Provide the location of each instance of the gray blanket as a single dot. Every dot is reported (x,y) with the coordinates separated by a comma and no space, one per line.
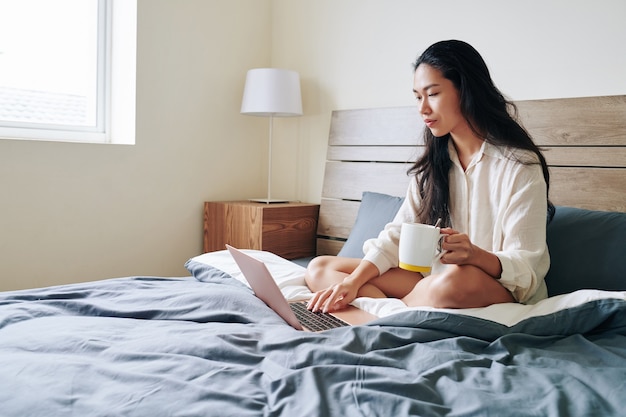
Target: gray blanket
(147,346)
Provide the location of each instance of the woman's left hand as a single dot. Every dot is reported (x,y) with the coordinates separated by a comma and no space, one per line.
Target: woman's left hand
(460,249)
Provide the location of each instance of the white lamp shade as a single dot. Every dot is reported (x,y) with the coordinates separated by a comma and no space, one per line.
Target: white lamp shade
(272,92)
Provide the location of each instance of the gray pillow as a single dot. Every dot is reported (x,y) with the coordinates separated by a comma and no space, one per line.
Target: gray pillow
(375,211)
(587,251)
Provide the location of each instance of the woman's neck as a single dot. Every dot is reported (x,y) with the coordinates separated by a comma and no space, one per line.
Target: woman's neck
(467,145)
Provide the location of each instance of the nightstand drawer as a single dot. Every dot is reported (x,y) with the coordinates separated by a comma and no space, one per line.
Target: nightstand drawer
(286,229)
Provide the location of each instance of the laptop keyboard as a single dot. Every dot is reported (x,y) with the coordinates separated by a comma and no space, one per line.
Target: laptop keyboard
(315,321)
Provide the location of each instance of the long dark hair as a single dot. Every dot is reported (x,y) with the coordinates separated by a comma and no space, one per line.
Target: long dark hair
(489,114)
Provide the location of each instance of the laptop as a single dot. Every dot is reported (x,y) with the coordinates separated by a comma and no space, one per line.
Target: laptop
(294,313)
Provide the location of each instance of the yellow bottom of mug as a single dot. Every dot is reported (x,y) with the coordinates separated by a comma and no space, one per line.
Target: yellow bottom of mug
(415,268)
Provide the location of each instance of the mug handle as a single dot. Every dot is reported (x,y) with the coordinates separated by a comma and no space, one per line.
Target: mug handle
(440,251)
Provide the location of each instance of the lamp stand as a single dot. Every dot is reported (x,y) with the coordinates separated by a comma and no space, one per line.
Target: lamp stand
(269,199)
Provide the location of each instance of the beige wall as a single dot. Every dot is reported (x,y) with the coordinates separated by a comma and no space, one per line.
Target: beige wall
(74,212)
(358,53)
(77,212)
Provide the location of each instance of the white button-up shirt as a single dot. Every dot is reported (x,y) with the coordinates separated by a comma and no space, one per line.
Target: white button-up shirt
(500,203)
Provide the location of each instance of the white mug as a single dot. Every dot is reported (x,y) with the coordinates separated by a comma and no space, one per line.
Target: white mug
(420,246)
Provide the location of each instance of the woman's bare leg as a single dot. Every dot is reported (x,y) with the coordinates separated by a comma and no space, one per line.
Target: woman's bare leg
(458,287)
(326,271)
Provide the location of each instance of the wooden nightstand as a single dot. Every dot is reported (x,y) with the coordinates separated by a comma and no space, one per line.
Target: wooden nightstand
(286,229)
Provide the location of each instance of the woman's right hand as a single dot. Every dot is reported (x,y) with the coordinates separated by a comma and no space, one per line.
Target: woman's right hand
(336,297)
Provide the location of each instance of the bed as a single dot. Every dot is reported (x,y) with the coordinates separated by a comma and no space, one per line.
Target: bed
(205,345)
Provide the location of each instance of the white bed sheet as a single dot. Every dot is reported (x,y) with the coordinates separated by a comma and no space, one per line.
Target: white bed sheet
(290,278)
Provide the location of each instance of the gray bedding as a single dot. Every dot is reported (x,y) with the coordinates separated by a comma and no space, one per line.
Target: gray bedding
(147,346)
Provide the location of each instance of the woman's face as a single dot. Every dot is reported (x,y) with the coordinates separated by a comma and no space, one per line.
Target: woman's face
(438,102)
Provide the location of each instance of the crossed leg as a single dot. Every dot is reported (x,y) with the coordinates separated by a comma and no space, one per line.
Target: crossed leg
(459,286)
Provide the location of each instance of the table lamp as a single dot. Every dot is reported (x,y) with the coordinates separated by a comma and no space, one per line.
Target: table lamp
(271,92)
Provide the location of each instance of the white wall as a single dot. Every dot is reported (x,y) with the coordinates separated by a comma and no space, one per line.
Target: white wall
(76,212)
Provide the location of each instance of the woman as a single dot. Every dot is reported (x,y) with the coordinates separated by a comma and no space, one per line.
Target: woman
(483,176)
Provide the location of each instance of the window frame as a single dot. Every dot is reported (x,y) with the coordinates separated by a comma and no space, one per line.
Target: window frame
(115,86)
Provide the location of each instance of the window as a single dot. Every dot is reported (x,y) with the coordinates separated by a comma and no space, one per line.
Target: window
(67,70)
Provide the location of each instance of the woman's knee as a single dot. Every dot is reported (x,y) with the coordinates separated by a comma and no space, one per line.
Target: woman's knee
(327,270)
(443,293)
(319,265)
(460,287)
(315,269)
(466,287)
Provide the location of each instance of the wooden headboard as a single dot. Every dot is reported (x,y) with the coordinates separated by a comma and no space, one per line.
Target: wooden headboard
(583,139)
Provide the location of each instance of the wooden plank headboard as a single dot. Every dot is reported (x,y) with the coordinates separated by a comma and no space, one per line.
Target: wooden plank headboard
(583,139)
